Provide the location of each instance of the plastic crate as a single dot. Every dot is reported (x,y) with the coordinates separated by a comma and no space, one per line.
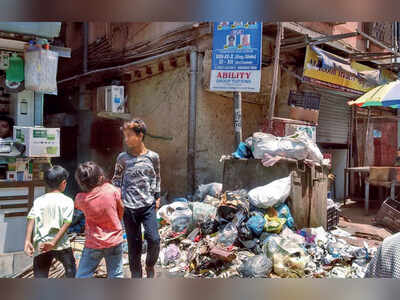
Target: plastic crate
(389,214)
(332,218)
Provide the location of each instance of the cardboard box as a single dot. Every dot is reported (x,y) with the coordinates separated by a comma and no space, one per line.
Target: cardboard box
(299,113)
(39,141)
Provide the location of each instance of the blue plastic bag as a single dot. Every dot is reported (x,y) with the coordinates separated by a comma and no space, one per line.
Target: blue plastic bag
(256,224)
(284,212)
(242,151)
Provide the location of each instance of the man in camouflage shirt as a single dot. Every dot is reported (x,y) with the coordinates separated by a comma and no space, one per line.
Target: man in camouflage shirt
(386,263)
(137,173)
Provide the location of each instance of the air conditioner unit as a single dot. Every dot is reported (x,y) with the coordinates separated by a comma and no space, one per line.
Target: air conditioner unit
(111,99)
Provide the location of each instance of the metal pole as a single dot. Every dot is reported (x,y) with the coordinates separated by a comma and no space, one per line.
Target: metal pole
(276,70)
(366,138)
(237,117)
(192,123)
(85,46)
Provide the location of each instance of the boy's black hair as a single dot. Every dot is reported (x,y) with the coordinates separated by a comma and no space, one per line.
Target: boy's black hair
(89,175)
(9,120)
(136,125)
(55,176)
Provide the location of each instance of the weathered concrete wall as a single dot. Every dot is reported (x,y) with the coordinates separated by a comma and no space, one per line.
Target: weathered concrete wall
(125,35)
(287,83)
(215,133)
(162,102)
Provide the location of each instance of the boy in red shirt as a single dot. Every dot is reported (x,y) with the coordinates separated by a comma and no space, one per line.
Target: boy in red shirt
(102,205)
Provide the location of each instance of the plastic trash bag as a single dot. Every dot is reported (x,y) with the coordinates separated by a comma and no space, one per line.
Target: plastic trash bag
(313,152)
(271,194)
(242,151)
(171,211)
(228,235)
(211,201)
(274,224)
(213,189)
(181,223)
(289,147)
(202,212)
(256,224)
(41,71)
(172,252)
(249,142)
(287,266)
(270,245)
(293,236)
(288,257)
(257,266)
(244,232)
(169,254)
(284,212)
(209,226)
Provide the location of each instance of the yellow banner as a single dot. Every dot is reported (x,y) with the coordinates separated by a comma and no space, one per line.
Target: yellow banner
(338,78)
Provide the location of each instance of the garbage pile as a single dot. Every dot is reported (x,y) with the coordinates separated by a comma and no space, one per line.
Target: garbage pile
(270,149)
(251,234)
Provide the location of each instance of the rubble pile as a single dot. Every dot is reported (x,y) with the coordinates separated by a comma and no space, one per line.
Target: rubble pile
(230,235)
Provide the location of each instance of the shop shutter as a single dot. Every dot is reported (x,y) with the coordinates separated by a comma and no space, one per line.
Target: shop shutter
(334,117)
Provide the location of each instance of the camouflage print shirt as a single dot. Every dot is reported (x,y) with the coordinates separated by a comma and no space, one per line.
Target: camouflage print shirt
(138,177)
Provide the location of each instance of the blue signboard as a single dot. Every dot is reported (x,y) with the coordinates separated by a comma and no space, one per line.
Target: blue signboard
(236,57)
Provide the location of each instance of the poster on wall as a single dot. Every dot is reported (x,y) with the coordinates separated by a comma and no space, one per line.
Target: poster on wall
(236,57)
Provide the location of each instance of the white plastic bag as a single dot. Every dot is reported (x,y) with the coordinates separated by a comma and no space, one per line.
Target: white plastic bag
(264,143)
(271,194)
(313,152)
(213,189)
(41,71)
(288,147)
(171,211)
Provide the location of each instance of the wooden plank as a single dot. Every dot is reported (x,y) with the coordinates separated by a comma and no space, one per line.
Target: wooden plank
(319,190)
(11,184)
(330,38)
(288,41)
(6,198)
(275,74)
(369,54)
(16,214)
(293,47)
(299,199)
(22,205)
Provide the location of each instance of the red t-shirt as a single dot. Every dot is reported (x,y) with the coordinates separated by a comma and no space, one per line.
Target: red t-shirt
(103,210)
